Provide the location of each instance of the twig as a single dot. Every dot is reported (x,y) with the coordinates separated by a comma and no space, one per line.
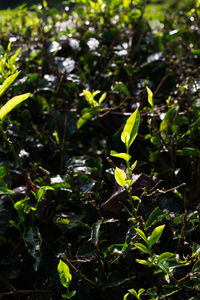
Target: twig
(82,276)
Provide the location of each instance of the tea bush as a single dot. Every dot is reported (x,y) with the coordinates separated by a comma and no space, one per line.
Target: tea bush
(78,219)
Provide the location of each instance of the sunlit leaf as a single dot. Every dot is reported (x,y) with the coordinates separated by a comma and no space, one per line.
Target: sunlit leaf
(144,262)
(102,98)
(120,177)
(131,128)
(124,156)
(141,234)
(12,103)
(8,82)
(69,295)
(41,192)
(155,236)
(134,165)
(150,96)
(142,247)
(5,191)
(64,274)
(164,256)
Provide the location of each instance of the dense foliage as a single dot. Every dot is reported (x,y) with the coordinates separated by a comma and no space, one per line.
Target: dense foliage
(100,167)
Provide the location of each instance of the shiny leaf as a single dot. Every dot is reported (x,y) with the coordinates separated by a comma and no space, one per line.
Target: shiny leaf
(12,103)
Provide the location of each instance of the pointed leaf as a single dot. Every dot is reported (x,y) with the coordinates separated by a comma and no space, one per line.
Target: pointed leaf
(41,192)
(8,82)
(5,191)
(102,98)
(156,234)
(64,274)
(142,247)
(144,262)
(124,156)
(150,96)
(33,243)
(131,128)
(134,165)
(164,256)
(133,292)
(141,234)
(120,177)
(95,232)
(12,103)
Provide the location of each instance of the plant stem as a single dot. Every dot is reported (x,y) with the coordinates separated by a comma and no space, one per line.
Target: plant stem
(10,145)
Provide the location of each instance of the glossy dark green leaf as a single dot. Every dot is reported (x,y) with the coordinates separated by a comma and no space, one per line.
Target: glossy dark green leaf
(122,88)
(96,232)
(154,216)
(195,249)
(33,241)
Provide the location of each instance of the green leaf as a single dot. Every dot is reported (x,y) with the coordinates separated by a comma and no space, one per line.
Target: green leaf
(196,51)
(5,191)
(126,296)
(33,243)
(164,256)
(150,96)
(122,88)
(41,192)
(140,292)
(69,295)
(92,112)
(22,208)
(153,216)
(130,130)
(144,262)
(156,234)
(141,234)
(12,103)
(95,232)
(64,274)
(3,171)
(120,177)
(134,165)
(133,292)
(195,249)
(102,98)
(142,247)
(124,156)
(8,82)
(196,267)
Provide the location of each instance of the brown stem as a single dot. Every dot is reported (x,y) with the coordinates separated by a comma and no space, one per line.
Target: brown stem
(82,276)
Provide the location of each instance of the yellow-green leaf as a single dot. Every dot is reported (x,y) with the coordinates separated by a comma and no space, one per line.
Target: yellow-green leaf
(102,98)
(120,177)
(8,82)
(130,130)
(150,96)
(12,103)
(124,156)
(64,274)
(156,234)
